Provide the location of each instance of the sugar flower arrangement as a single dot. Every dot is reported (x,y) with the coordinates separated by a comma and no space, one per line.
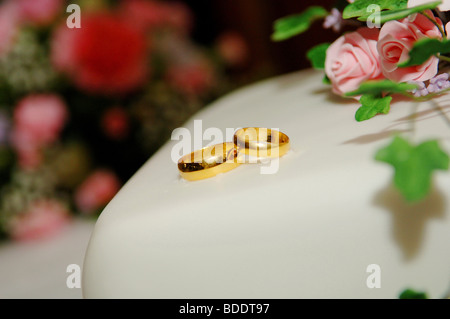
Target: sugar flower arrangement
(392,47)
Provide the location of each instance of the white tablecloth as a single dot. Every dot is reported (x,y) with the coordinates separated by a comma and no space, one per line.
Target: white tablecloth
(38,269)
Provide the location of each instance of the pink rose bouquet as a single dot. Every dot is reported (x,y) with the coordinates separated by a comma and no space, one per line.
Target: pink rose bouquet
(396,47)
(388,48)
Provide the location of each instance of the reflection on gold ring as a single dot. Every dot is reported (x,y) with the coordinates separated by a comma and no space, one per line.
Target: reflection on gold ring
(208,162)
(261,142)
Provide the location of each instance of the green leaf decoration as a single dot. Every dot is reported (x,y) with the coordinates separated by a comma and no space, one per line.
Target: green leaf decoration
(293,25)
(359,7)
(393,10)
(412,294)
(382,86)
(371,106)
(317,56)
(424,49)
(326,80)
(413,165)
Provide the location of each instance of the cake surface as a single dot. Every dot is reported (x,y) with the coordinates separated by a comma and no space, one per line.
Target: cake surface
(309,231)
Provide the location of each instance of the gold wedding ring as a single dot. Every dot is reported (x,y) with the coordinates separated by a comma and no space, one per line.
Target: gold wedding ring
(221,158)
(261,142)
(208,162)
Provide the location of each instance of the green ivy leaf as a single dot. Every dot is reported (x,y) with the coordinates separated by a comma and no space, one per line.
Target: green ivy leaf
(392,10)
(413,165)
(412,294)
(359,7)
(382,86)
(371,106)
(317,55)
(293,25)
(424,49)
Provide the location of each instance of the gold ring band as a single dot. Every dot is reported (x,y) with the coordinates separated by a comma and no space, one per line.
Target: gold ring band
(261,142)
(208,162)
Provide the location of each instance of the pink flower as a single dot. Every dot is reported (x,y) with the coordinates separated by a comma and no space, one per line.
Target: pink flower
(445,6)
(38,121)
(233,48)
(96,191)
(43,218)
(107,55)
(39,12)
(396,40)
(9,25)
(42,116)
(114,123)
(353,59)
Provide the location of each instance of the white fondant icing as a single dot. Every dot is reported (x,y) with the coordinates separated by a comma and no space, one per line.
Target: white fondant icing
(310,230)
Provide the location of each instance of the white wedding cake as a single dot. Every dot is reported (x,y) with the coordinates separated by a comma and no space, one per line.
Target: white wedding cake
(328,224)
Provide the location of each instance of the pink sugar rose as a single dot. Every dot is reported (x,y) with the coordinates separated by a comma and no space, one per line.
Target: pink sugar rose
(396,40)
(40,12)
(353,59)
(96,191)
(43,218)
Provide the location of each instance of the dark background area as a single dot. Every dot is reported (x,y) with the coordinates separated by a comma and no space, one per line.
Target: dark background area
(254,20)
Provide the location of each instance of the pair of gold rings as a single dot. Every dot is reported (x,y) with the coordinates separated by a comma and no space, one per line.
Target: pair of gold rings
(220,158)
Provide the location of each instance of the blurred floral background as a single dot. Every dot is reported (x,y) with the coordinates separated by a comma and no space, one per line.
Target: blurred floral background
(82,109)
